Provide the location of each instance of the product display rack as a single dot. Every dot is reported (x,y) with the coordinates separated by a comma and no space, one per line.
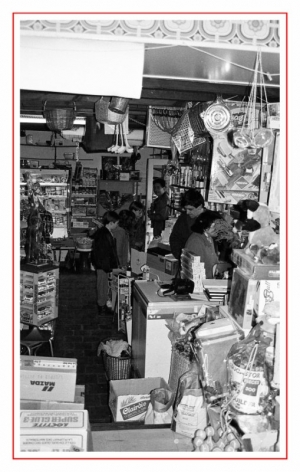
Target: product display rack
(121,288)
(55,198)
(39,288)
(84,203)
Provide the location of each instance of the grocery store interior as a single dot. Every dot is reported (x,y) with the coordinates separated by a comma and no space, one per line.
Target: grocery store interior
(149,210)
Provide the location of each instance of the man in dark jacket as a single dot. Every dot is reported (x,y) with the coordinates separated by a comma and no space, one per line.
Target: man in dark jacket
(159,210)
(193,205)
(104,256)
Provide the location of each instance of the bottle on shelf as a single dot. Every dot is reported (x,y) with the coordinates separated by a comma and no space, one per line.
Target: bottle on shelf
(122,314)
(201,184)
(198,182)
(128,270)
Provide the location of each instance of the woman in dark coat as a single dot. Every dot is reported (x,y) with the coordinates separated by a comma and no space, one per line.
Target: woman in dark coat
(201,241)
(104,256)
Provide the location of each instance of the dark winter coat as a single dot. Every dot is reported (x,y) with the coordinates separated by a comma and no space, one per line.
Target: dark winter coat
(181,233)
(104,253)
(159,213)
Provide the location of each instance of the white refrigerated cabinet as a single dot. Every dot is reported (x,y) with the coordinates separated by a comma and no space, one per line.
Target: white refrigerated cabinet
(151,347)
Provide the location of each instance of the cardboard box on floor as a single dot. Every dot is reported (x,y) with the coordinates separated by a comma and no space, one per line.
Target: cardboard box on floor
(49,405)
(129,399)
(55,431)
(48,378)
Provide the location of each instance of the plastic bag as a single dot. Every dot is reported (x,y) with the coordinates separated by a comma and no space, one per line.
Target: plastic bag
(160,409)
(189,409)
(247,377)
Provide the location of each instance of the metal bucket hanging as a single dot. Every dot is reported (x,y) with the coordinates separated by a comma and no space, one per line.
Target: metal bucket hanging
(105,115)
(59,119)
(118,105)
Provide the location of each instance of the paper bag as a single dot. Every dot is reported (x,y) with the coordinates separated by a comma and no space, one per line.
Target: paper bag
(160,410)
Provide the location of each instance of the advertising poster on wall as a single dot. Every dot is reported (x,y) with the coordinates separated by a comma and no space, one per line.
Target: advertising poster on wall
(235,172)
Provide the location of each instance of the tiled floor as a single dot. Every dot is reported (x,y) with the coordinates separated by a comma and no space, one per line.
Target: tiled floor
(79,330)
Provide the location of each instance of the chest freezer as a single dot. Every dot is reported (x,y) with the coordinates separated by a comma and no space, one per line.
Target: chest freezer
(151,347)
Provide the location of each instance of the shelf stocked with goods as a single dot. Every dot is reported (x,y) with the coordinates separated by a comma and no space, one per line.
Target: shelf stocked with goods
(84,200)
(118,184)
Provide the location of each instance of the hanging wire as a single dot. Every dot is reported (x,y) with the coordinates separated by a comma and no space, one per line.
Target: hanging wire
(232,63)
(136,121)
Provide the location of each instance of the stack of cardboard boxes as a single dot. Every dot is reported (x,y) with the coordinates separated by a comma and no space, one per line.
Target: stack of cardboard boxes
(48,384)
(193,269)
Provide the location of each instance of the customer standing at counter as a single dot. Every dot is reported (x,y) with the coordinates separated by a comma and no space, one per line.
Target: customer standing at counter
(138,231)
(193,206)
(122,234)
(104,256)
(159,210)
(201,241)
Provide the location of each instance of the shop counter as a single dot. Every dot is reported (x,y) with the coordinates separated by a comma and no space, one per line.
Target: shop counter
(133,437)
(151,347)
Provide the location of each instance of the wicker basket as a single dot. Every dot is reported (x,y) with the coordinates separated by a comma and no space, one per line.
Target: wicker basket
(116,368)
(60,119)
(104,115)
(179,365)
(85,244)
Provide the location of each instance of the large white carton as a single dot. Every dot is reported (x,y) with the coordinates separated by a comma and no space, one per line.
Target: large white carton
(129,399)
(78,403)
(48,378)
(55,431)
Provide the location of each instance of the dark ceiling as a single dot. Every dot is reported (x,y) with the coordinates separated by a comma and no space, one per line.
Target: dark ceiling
(155,92)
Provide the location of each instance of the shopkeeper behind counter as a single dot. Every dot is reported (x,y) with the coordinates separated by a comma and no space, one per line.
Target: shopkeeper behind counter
(201,241)
(138,230)
(159,210)
(193,205)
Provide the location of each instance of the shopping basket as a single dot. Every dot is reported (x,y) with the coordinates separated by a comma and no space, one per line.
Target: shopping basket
(116,368)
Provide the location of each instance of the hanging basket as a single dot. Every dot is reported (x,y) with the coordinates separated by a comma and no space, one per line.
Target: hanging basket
(60,119)
(105,115)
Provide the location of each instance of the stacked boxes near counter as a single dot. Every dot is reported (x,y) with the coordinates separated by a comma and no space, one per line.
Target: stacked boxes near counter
(55,431)
(193,269)
(38,294)
(52,417)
